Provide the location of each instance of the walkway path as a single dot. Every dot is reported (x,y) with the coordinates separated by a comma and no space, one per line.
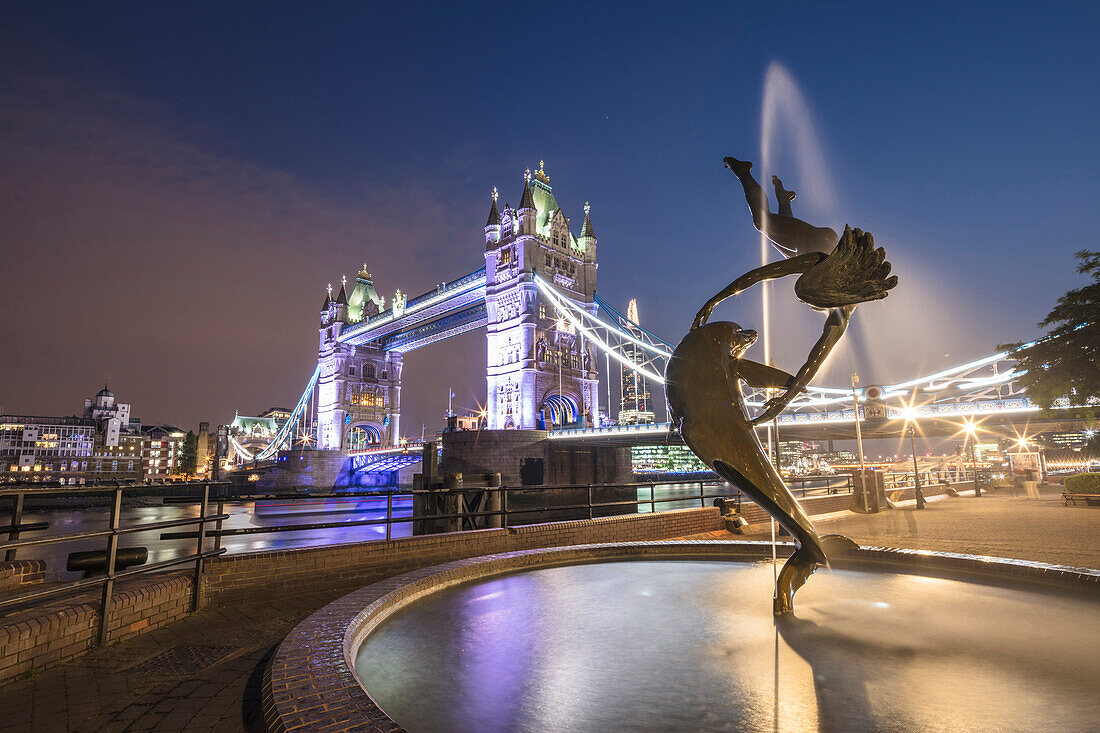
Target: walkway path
(996,524)
(218,654)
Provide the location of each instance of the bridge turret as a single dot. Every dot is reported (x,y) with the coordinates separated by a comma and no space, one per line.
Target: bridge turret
(342,303)
(527,212)
(492,226)
(363,300)
(539,373)
(587,240)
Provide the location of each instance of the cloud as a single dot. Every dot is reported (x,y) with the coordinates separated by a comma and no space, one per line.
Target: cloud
(191,278)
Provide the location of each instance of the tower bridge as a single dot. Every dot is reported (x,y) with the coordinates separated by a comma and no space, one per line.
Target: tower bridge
(540,373)
(545,329)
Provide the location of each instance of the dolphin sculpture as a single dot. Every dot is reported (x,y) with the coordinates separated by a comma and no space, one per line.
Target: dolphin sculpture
(704,375)
(703,386)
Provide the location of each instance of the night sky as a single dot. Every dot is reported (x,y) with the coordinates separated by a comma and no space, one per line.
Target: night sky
(179,181)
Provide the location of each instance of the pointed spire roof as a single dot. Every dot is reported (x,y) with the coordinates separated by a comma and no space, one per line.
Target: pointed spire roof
(528,201)
(342,298)
(587,231)
(328,300)
(494,212)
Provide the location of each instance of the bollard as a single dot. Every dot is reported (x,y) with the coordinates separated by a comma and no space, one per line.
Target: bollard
(493,501)
(452,501)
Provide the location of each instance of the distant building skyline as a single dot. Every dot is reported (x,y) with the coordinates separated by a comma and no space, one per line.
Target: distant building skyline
(635,406)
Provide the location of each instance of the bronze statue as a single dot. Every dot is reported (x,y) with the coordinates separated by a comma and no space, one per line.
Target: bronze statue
(703,378)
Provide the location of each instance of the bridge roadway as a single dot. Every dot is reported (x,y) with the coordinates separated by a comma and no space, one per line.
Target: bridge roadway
(1001,418)
(824,426)
(452,309)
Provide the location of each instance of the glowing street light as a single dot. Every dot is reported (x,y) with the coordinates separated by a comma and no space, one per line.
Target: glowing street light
(859,437)
(971,429)
(909,413)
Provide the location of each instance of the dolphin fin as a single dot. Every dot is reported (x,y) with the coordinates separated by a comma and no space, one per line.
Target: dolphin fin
(761,375)
(837,544)
(800,566)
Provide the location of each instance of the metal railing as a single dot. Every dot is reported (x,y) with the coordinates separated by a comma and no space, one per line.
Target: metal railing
(438,510)
(894,481)
(112,534)
(831,484)
(504,497)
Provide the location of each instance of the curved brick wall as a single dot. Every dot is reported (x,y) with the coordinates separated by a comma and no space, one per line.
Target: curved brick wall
(311,683)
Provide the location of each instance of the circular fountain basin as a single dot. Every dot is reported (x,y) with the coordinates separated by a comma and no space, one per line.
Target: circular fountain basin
(661,640)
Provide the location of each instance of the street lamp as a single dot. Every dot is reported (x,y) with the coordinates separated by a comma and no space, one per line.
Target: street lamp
(971,429)
(859,436)
(911,424)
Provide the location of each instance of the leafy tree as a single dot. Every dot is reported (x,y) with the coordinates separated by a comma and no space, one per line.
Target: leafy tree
(189,454)
(1067,362)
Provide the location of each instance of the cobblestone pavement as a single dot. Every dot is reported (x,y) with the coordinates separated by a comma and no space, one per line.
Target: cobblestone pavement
(109,689)
(215,658)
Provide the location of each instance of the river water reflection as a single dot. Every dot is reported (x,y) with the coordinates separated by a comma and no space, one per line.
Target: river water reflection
(243,515)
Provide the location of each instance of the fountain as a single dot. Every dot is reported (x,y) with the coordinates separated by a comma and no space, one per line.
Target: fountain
(677,635)
(683,645)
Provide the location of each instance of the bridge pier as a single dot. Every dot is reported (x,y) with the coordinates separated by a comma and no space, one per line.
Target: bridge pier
(530,458)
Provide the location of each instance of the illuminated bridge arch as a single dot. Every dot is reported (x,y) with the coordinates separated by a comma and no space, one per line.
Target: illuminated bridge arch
(363,435)
(561,410)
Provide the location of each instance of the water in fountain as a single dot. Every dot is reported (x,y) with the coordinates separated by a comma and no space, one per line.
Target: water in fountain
(692,645)
(786,124)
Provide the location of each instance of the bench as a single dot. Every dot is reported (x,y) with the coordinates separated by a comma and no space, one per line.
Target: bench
(1088,499)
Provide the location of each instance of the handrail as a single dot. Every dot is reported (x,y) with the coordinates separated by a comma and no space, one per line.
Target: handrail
(37,489)
(114,531)
(505,512)
(498,513)
(74,536)
(59,588)
(453,515)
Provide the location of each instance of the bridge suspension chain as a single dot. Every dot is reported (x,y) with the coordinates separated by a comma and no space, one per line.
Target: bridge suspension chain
(285,434)
(647,354)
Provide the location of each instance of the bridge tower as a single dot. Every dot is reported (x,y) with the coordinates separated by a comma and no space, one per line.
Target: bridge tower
(358,386)
(541,372)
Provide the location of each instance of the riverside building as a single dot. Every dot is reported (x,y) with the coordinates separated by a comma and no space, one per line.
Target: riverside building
(105,444)
(160,451)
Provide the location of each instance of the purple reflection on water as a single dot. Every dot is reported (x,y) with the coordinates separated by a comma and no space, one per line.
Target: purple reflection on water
(654,646)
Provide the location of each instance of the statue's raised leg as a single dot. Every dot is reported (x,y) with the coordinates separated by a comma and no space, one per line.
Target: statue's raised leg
(783,197)
(790,235)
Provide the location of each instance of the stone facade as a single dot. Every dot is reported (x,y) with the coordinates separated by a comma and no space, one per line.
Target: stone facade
(541,371)
(530,458)
(358,387)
